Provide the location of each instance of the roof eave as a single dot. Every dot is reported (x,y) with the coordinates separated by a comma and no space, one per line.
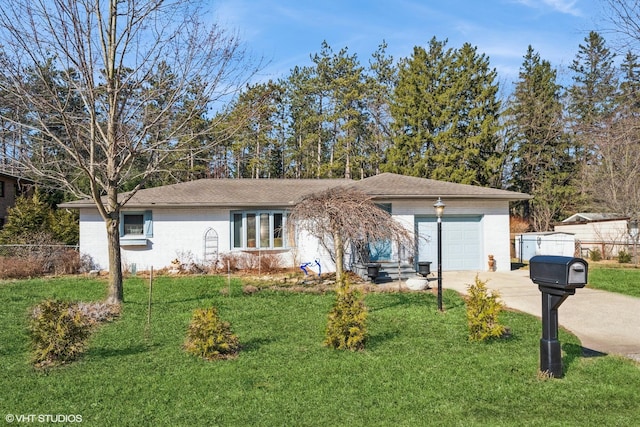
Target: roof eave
(454,196)
(237,205)
(179,205)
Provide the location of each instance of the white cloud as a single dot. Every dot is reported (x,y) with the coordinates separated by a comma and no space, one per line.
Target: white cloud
(563,6)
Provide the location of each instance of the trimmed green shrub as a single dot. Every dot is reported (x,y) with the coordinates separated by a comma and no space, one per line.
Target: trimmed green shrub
(595,255)
(346,328)
(59,330)
(209,337)
(624,257)
(483,309)
(33,215)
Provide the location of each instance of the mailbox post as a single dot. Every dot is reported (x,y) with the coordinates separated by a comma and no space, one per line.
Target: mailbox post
(557,277)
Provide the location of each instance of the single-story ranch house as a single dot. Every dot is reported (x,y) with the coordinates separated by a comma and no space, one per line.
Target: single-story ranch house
(205,218)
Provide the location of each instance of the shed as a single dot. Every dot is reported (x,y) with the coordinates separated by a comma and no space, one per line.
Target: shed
(605,232)
(547,243)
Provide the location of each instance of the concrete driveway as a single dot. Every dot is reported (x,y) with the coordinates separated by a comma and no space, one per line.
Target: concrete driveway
(604,321)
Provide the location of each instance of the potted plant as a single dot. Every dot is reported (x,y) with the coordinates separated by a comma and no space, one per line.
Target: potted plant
(424,268)
(373,270)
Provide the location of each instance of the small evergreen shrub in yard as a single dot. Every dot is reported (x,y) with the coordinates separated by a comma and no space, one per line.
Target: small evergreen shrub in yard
(59,329)
(209,337)
(346,328)
(595,255)
(483,309)
(58,332)
(624,257)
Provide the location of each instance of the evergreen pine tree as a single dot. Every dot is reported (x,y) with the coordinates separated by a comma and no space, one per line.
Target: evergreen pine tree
(416,110)
(593,95)
(381,81)
(542,165)
(446,117)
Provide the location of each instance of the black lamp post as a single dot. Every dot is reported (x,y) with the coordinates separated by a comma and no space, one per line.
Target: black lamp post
(439,207)
(632,227)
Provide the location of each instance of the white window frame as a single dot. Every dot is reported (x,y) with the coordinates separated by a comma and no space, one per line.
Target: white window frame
(243,231)
(137,239)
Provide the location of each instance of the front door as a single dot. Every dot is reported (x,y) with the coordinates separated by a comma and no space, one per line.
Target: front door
(381,249)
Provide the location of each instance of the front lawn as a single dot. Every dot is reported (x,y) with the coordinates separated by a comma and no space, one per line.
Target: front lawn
(621,280)
(418,368)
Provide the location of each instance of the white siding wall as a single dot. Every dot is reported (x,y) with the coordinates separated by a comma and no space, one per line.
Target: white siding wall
(178,233)
(93,237)
(605,231)
(494,223)
(607,236)
(309,249)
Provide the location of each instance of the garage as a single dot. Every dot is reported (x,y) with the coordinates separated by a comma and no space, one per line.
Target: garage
(461,242)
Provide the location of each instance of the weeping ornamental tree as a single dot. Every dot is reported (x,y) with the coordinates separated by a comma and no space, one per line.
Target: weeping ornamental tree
(342,216)
(339,217)
(106,92)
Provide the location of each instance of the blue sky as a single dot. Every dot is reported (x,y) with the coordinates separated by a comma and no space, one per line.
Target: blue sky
(286,32)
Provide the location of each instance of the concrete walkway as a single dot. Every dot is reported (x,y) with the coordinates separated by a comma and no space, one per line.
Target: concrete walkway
(604,321)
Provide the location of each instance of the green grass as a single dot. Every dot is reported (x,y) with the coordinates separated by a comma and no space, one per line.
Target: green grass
(418,368)
(620,280)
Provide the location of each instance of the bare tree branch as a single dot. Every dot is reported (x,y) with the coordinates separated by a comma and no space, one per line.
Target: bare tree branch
(343,216)
(613,179)
(109,91)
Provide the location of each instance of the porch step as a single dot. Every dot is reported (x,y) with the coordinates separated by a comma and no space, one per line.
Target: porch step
(389,272)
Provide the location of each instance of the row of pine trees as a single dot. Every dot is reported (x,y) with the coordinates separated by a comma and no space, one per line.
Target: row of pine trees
(568,137)
(442,114)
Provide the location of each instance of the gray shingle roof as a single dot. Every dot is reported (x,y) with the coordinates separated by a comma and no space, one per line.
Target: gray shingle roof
(285,192)
(401,186)
(593,216)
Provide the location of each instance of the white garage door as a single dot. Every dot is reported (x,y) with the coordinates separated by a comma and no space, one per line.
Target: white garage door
(461,242)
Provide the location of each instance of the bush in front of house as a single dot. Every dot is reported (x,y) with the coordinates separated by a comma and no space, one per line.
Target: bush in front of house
(58,331)
(35,261)
(347,325)
(209,337)
(265,262)
(14,267)
(595,255)
(483,309)
(35,215)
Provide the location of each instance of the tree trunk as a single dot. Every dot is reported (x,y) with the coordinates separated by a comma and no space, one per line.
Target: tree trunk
(116,292)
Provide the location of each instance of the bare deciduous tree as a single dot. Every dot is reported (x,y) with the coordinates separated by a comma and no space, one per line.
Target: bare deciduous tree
(110,91)
(342,216)
(613,179)
(624,16)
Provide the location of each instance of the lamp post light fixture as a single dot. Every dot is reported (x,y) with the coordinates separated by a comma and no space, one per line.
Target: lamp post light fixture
(439,207)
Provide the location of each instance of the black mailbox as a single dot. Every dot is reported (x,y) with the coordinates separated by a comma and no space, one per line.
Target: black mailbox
(560,272)
(557,277)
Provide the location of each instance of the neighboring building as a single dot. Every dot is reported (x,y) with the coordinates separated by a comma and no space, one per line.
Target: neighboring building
(204,218)
(605,232)
(528,245)
(10,188)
